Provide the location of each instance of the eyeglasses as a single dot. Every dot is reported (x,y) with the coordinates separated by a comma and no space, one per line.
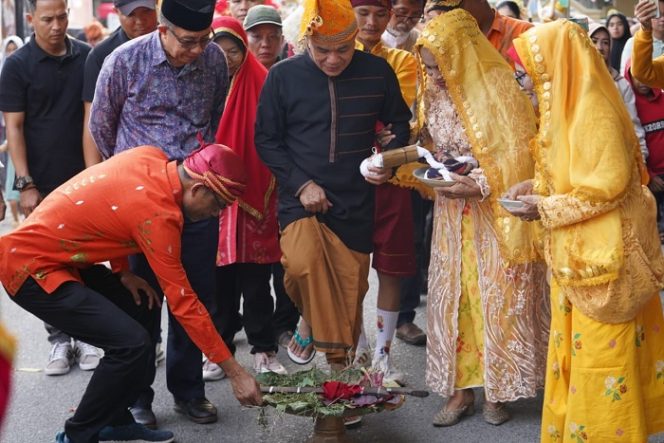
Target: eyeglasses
(409,18)
(190,43)
(520,77)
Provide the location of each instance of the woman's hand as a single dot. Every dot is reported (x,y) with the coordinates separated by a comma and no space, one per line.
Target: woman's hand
(522,188)
(529,211)
(465,187)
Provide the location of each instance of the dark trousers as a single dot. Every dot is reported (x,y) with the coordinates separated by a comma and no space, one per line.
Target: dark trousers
(251,282)
(285,315)
(101,312)
(184,376)
(412,287)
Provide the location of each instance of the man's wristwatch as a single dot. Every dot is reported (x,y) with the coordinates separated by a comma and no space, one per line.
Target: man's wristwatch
(23,182)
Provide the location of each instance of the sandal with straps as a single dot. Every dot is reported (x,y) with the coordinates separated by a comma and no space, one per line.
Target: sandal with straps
(303,343)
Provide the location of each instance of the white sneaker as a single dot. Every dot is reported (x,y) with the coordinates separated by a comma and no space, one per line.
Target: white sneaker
(159,354)
(87,356)
(59,359)
(212,371)
(267,362)
(362,358)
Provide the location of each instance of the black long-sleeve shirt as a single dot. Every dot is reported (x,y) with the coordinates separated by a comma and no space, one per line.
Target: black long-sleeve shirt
(313,127)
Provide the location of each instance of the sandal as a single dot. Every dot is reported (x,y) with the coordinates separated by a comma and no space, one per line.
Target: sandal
(303,343)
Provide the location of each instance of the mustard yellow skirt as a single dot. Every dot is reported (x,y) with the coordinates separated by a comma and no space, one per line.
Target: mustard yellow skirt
(470,341)
(604,382)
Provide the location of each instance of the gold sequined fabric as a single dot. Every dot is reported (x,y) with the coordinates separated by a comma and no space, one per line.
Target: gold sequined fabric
(482,113)
(601,236)
(497,118)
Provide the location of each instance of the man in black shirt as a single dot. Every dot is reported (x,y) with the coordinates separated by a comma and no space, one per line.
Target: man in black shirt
(313,140)
(40,95)
(137,18)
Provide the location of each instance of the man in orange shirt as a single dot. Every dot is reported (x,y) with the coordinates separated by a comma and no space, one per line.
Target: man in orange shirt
(499,29)
(135,202)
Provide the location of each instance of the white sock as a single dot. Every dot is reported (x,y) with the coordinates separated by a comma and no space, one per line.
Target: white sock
(362,342)
(386,324)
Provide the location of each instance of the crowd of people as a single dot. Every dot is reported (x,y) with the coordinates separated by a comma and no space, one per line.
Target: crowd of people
(204,155)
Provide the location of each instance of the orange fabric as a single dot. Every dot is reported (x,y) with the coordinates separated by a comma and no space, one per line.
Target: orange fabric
(236,127)
(503,31)
(126,205)
(328,20)
(327,282)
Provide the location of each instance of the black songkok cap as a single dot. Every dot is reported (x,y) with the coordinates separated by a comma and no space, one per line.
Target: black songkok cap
(192,15)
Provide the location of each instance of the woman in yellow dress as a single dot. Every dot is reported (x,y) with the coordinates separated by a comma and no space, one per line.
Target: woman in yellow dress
(486,312)
(605,365)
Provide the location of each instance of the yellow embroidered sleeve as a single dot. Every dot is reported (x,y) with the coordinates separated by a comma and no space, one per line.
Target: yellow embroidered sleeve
(564,210)
(644,68)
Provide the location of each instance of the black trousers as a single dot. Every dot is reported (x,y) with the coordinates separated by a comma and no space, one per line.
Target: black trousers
(285,315)
(411,287)
(101,312)
(251,282)
(184,376)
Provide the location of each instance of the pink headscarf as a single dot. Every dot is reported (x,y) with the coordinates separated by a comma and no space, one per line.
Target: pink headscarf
(220,169)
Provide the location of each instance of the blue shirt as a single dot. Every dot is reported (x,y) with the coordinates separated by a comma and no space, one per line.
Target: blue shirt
(141,99)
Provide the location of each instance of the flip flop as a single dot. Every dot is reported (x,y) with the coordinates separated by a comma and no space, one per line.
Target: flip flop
(303,344)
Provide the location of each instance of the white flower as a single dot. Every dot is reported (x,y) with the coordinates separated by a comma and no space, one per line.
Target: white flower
(609,382)
(551,429)
(555,366)
(573,427)
(659,365)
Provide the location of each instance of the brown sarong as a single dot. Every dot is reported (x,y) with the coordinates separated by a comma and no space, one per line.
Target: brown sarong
(327,282)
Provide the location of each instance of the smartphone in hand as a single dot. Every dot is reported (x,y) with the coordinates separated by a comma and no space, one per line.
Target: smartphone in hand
(656,3)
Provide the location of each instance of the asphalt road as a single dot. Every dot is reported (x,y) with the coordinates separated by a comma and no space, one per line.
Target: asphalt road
(40,404)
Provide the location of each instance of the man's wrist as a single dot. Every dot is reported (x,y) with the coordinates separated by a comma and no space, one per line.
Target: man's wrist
(231,367)
(23,182)
(28,188)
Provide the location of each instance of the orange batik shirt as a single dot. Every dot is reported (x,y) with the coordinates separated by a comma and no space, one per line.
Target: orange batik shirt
(503,31)
(126,205)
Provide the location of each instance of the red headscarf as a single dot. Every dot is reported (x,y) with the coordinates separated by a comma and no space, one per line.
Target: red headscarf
(514,56)
(236,128)
(220,169)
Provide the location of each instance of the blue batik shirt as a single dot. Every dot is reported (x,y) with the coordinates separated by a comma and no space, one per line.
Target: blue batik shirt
(141,99)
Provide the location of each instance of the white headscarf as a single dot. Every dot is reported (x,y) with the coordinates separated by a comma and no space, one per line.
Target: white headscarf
(11,39)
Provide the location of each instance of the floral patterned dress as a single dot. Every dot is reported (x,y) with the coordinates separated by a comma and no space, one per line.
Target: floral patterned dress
(618,368)
(487,323)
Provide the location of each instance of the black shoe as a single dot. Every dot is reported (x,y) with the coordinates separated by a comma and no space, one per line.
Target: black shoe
(198,410)
(144,416)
